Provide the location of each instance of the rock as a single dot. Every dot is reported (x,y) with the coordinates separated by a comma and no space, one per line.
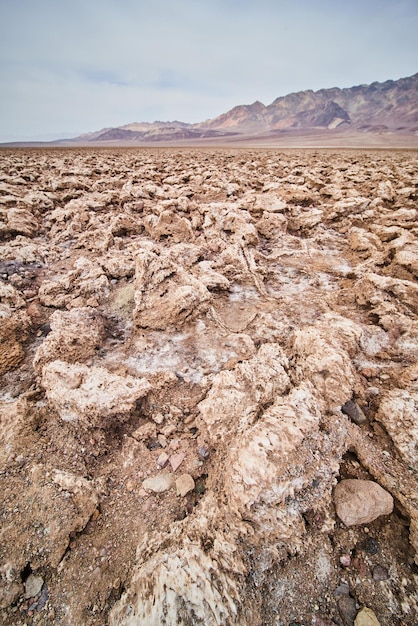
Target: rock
(144,432)
(169,224)
(165,293)
(20,221)
(90,395)
(211,279)
(369,545)
(361,501)
(347,609)
(11,351)
(354,412)
(397,412)
(408,257)
(380,573)
(270,202)
(75,336)
(203,452)
(85,285)
(360,565)
(33,585)
(345,560)
(176,460)
(324,356)
(238,393)
(366,617)
(184,484)
(163,459)
(159,483)
(362,240)
(342,590)
(9,593)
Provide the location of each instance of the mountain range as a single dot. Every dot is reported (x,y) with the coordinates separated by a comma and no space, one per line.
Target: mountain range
(388,108)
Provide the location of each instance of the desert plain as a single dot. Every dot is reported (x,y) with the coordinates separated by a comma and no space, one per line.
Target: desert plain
(198,347)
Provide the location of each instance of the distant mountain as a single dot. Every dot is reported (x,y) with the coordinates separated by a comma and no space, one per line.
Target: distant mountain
(390,107)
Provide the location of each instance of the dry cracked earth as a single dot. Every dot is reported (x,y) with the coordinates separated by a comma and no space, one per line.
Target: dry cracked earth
(198,348)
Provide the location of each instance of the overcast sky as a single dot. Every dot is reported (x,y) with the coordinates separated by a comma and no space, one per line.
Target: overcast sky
(72,66)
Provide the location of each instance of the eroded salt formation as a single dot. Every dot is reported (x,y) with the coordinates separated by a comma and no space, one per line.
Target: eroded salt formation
(196,347)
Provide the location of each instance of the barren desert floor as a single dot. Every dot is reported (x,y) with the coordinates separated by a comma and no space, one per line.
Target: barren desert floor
(198,349)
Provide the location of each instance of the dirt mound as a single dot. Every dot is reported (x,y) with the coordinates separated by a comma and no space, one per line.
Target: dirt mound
(196,347)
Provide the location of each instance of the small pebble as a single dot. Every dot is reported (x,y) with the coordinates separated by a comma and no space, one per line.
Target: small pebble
(380,573)
(203,452)
(342,590)
(162,459)
(96,515)
(158,418)
(354,412)
(184,484)
(345,560)
(176,460)
(33,585)
(360,566)
(369,545)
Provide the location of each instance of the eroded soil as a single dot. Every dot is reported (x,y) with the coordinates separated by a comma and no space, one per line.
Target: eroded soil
(206,314)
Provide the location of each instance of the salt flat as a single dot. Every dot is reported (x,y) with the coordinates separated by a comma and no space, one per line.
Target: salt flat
(238,324)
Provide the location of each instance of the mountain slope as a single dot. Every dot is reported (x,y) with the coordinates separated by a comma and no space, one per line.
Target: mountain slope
(391,106)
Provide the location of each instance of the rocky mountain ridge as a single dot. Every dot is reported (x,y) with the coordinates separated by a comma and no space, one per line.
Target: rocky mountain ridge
(388,107)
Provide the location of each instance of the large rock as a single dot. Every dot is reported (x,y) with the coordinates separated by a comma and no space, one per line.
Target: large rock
(324,355)
(166,294)
(85,285)
(92,396)
(18,222)
(398,413)
(361,501)
(236,396)
(12,333)
(169,224)
(75,336)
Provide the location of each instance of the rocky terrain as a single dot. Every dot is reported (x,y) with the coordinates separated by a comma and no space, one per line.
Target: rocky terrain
(208,387)
(378,110)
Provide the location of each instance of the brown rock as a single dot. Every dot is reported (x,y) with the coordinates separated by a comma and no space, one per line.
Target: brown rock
(361,501)
(75,336)
(166,294)
(366,617)
(90,395)
(162,459)
(184,484)
(176,460)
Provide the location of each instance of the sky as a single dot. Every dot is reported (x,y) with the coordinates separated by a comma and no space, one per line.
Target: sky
(74,66)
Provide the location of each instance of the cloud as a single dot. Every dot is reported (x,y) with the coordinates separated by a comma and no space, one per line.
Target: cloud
(82,65)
